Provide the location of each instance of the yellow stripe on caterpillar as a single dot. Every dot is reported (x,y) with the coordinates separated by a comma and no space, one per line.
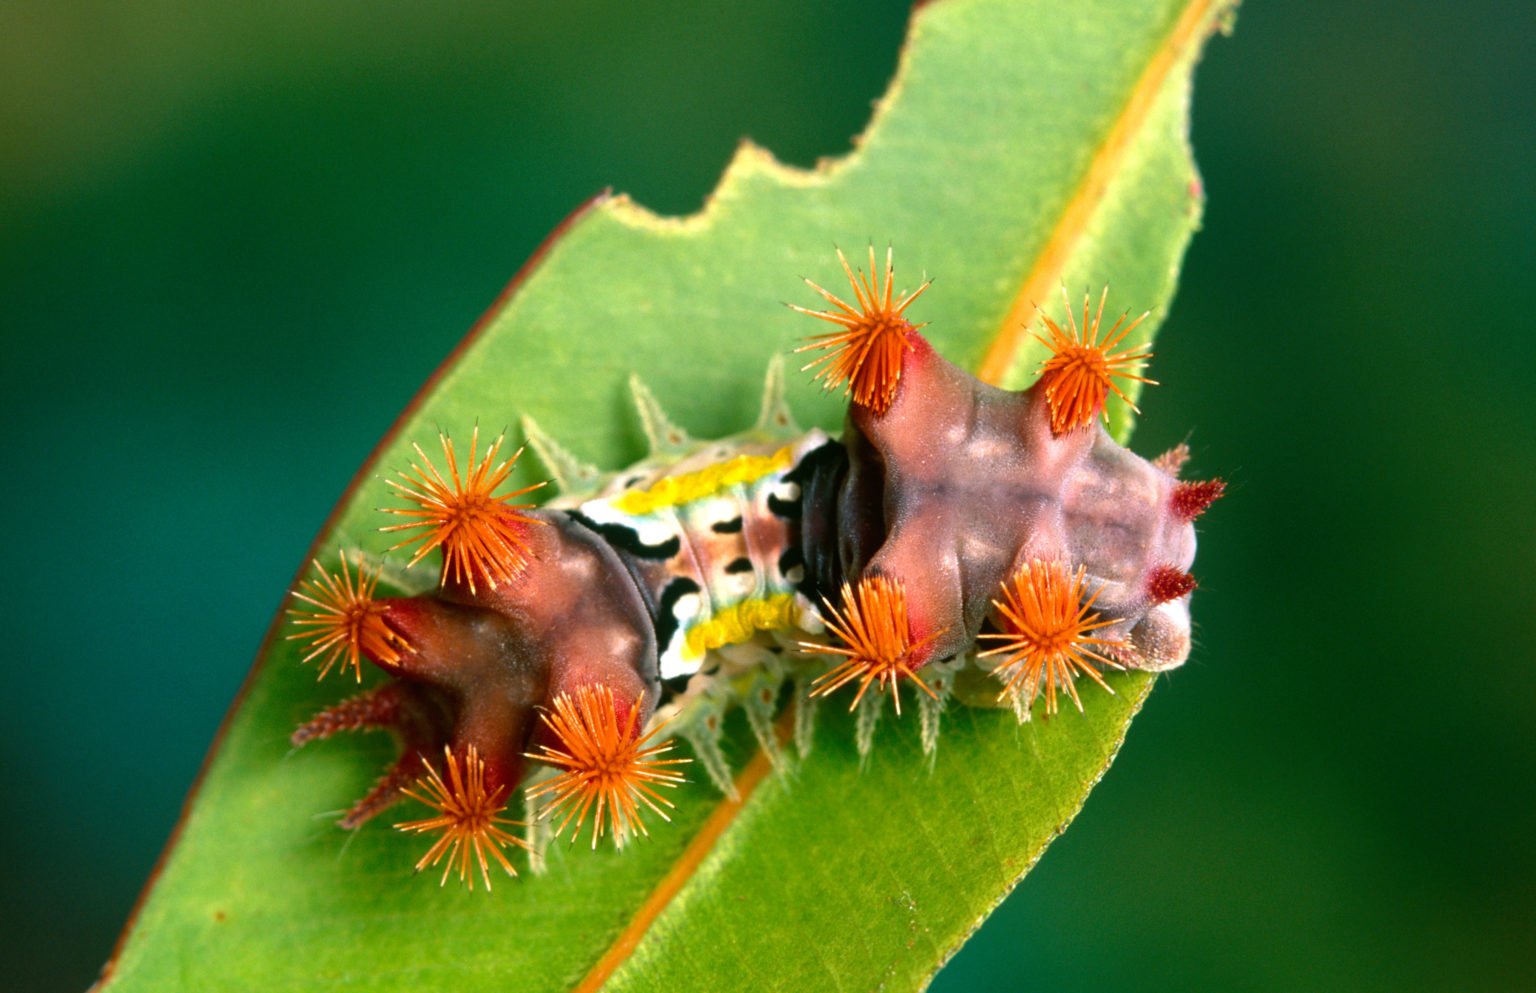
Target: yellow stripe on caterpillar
(741,622)
(673,491)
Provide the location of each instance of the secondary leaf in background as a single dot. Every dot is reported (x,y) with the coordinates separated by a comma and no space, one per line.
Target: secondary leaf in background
(1019,148)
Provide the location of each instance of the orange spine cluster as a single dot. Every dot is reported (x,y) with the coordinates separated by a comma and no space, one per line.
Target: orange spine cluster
(610,769)
(1047,640)
(468,820)
(481,534)
(867,353)
(1081,371)
(347,623)
(877,648)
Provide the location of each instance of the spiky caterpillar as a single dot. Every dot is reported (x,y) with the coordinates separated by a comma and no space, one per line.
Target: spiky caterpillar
(954,527)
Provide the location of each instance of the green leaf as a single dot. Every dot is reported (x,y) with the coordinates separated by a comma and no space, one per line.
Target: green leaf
(1020,148)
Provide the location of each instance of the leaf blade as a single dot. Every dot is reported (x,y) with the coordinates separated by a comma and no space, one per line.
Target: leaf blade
(704,274)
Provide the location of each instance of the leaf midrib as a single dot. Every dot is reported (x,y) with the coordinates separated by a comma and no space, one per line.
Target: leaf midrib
(1078,211)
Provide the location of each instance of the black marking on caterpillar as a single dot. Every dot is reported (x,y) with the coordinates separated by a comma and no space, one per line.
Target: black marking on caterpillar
(666,621)
(626,539)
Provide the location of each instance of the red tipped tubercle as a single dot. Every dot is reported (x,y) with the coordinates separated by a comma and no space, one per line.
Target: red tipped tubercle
(1191,499)
(1167,582)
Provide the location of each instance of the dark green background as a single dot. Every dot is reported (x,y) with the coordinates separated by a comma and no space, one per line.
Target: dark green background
(233,241)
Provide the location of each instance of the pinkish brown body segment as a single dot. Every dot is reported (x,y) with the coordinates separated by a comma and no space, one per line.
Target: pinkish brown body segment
(961,484)
(916,535)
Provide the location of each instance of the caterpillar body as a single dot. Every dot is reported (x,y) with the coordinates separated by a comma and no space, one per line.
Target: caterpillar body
(954,529)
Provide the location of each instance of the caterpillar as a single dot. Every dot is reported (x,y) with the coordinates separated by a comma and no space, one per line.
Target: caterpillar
(957,539)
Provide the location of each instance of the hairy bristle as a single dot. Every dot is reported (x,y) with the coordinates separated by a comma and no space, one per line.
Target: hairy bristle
(385,791)
(1192,498)
(468,817)
(1082,369)
(481,534)
(1173,460)
(866,354)
(610,769)
(1046,637)
(877,644)
(1168,582)
(375,708)
(346,623)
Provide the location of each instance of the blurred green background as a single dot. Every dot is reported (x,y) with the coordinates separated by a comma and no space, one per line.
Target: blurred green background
(235,239)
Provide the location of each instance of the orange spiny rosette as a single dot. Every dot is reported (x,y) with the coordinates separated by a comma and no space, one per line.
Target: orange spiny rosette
(481,534)
(878,646)
(1081,370)
(609,769)
(468,815)
(867,353)
(347,622)
(1047,641)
